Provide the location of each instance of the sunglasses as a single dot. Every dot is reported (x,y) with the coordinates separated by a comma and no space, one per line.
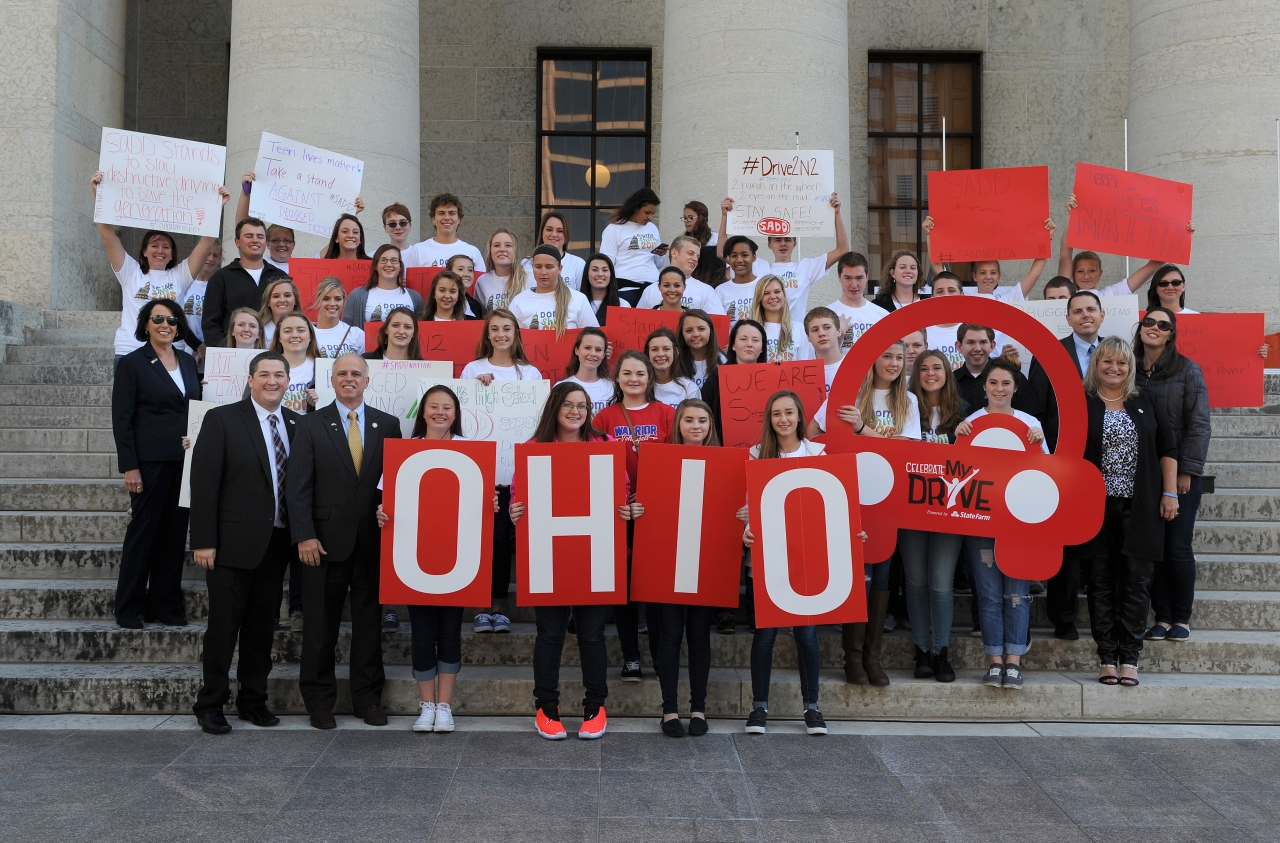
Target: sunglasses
(1177,283)
(1159,324)
(160,320)
(397,224)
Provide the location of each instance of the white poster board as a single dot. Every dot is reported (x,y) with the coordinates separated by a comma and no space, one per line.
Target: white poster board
(1120,319)
(393,386)
(781,192)
(195,418)
(169,184)
(303,187)
(505,412)
(226,373)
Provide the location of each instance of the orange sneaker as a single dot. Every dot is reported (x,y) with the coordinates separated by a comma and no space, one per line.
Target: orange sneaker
(593,727)
(550,727)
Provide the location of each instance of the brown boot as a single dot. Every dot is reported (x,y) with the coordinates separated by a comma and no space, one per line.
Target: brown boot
(852,635)
(877,607)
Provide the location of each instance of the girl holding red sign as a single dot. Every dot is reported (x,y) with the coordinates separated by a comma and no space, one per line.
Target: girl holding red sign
(447,301)
(746,345)
(500,355)
(384,291)
(696,343)
(589,368)
(566,417)
(671,289)
(347,240)
(397,338)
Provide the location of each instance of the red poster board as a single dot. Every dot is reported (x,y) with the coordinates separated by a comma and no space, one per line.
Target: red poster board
(627,328)
(689,538)
(989,215)
(549,353)
(430,558)
(807,557)
(571,546)
(1226,347)
(1123,213)
(453,341)
(745,387)
(418,279)
(307,273)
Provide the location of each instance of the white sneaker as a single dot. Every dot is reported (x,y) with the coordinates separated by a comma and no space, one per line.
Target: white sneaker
(427,717)
(444,718)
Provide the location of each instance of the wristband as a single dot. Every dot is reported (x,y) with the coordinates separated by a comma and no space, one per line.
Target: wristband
(1170,495)
(246,187)
(864,427)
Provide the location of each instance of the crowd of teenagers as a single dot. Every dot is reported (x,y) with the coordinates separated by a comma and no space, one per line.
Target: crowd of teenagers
(278,485)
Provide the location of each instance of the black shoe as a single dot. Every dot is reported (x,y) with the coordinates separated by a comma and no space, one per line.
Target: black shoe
(697,727)
(260,717)
(924,664)
(130,622)
(323,719)
(942,669)
(213,722)
(631,672)
(171,620)
(673,728)
(372,715)
(390,622)
(727,624)
(758,722)
(813,722)
(1066,633)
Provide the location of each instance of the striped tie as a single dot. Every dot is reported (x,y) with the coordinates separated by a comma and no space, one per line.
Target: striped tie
(278,445)
(353,440)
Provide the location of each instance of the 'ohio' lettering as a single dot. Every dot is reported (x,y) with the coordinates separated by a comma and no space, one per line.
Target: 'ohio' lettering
(544,527)
(773,525)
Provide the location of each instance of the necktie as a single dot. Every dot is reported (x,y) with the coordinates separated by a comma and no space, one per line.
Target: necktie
(1089,354)
(353,440)
(278,446)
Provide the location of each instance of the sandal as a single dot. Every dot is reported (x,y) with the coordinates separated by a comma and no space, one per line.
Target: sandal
(1108,678)
(1129,681)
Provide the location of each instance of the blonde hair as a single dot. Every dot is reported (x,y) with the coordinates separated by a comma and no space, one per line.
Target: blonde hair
(231,326)
(264,313)
(1112,347)
(517,281)
(899,400)
(757,312)
(327,284)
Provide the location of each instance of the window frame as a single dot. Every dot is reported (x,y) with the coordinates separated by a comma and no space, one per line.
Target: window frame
(545,54)
(975,136)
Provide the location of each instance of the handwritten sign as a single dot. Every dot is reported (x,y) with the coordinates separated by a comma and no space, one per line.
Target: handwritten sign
(226,373)
(307,273)
(1123,213)
(151,181)
(195,419)
(303,187)
(745,387)
(627,328)
(1120,315)
(990,215)
(505,412)
(1226,347)
(550,354)
(782,192)
(452,341)
(393,386)
(419,278)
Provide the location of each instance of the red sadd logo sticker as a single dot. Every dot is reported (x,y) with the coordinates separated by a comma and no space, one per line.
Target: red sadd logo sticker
(773,227)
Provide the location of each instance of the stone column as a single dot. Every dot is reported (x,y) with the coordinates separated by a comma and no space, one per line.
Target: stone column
(1204,94)
(748,74)
(342,76)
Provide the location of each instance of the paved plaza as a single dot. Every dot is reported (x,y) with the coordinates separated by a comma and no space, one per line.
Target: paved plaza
(69,778)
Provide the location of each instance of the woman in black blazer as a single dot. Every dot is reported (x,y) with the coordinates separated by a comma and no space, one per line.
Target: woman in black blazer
(1134,448)
(149,418)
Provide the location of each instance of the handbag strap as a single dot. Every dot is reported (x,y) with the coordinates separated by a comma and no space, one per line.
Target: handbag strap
(635,442)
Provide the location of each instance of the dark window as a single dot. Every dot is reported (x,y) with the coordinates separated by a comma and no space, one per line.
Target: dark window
(593,136)
(907,97)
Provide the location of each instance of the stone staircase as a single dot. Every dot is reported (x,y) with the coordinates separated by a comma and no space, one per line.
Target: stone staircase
(62,518)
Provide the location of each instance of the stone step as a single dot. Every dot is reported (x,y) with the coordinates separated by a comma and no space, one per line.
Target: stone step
(1237,537)
(67,561)
(1251,425)
(1227,572)
(25,417)
(79,374)
(63,527)
(46,395)
(1220,610)
(1048,695)
(1242,475)
(103,495)
(84,320)
(1240,505)
(56,440)
(62,355)
(80,466)
(1241,449)
(70,336)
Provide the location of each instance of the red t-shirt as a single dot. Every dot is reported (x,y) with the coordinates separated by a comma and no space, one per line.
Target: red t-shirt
(652,423)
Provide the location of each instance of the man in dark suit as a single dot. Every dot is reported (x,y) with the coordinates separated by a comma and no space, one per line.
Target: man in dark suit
(1084,315)
(240,536)
(239,283)
(333,495)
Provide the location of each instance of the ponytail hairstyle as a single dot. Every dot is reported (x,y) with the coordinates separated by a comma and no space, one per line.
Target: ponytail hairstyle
(420,420)
(333,250)
(694,404)
(648,367)
(574,363)
(518,280)
(769,439)
(546,430)
(459,306)
(898,401)
(373,269)
(326,285)
(711,270)
(414,349)
(687,360)
(484,350)
(562,292)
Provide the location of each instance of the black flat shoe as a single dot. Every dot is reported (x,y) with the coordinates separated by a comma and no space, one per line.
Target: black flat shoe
(171,620)
(1066,633)
(260,717)
(133,622)
(697,727)
(673,728)
(323,719)
(942,669)
(213,723)
(924,664)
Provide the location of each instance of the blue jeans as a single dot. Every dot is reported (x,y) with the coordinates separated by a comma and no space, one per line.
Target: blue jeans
(1174,588)
(436,640)
(929,565)
(878,575)
(1004,604)
(762,664)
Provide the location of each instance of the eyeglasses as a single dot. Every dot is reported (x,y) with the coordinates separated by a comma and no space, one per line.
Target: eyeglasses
(388,261)
(581,408)
(689,218)
(280,242)
(1159,324)
(397,224)
(1177,283)
(160,320)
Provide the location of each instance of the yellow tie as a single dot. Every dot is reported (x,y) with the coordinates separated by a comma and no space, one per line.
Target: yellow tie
(353,441)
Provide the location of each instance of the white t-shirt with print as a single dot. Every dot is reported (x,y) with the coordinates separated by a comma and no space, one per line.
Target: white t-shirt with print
(737,298)
(884,421)
(700,370)
(518,372)
(630,246)
(797,277)
(697,295)
(860,320)
(572,269)
(300,379)
(431,253)
(491,290)
(595,305)
(929,432)
(538,311)
(380,302)
(800,348)
(1026,418)
(193,306)
(137,288)
(1010,294)
(340,339)
(943,338)
(675,391)
(601,392)
(830,369)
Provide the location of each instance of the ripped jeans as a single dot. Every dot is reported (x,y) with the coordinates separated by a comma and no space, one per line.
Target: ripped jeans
(1004,604)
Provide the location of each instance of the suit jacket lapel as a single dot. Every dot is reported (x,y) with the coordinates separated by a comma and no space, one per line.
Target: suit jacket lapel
(157,365)
(254,428)
(337,425)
